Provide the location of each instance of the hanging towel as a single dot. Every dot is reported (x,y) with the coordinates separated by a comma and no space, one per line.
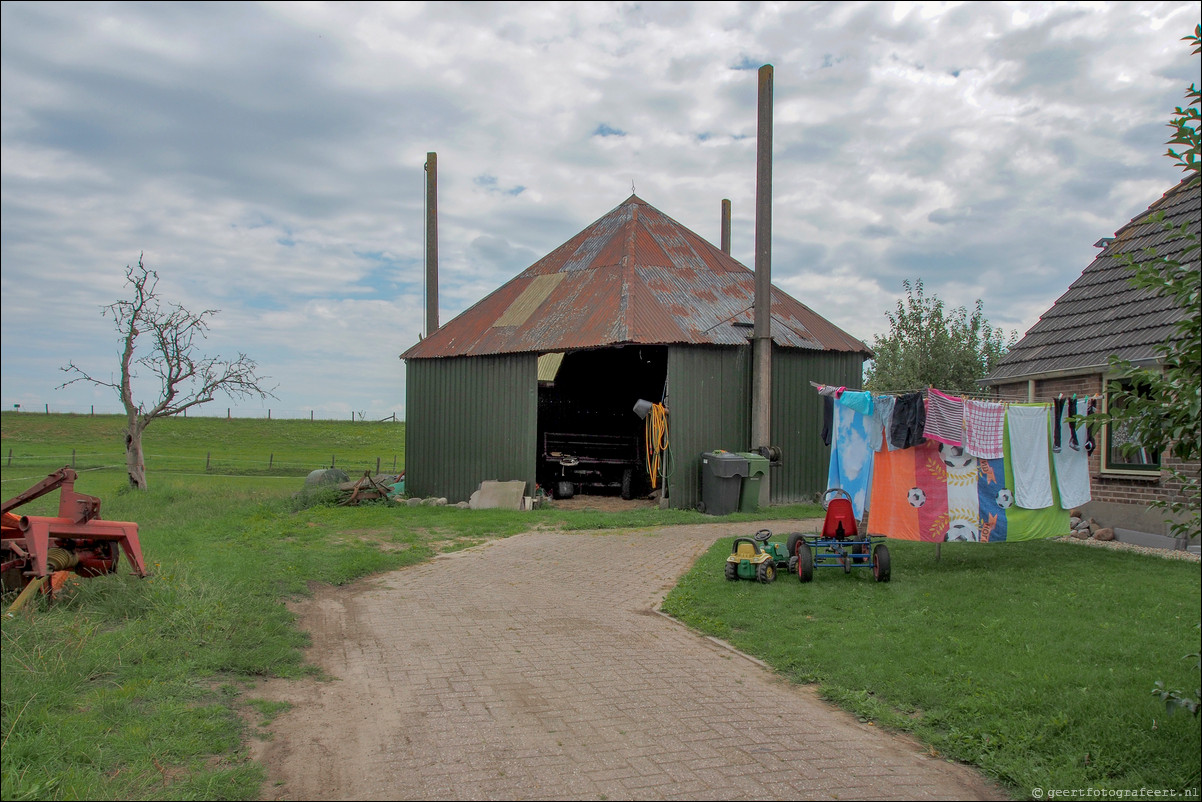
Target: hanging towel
(851,458)
(1072,465)
(882,419)
(909,419)
(858,400)
(1028,430)
(945,418)
(983,422)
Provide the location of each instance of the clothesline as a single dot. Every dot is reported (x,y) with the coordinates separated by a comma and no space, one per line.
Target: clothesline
(970,396)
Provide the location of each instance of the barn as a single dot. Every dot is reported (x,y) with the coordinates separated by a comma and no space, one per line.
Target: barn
(635,306)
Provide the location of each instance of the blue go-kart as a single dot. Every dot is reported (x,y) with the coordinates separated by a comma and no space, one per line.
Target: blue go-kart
(840,545)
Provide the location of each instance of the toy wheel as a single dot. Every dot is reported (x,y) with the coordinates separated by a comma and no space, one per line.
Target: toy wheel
(791,545)
(627,480)
(880,563)
(844,560)
(732,571)
(805,562)
(793,564)
(766,572)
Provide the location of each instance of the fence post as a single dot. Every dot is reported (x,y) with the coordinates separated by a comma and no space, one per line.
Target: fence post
(331,460)
(270,460)
(48,409)
(93,412)
(394,463)
(310,415)
(377,464)
(207,455)
(268,414)
(10,456)
(227,413)
(72,458)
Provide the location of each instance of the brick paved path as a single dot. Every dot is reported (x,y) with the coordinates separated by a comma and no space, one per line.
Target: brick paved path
(534,667)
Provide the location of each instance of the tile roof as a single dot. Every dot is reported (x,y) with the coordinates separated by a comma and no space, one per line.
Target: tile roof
(633,276)
(1102,313)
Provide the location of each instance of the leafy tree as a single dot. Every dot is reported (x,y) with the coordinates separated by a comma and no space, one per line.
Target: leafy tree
(185,378)
(928,345)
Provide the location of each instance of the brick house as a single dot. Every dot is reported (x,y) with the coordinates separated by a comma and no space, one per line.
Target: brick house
(1068,352)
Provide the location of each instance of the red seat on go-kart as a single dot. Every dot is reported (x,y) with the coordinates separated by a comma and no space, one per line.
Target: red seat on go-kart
(840,521)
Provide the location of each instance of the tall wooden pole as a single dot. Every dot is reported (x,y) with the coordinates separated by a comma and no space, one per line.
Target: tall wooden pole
(431,243)
(761,387)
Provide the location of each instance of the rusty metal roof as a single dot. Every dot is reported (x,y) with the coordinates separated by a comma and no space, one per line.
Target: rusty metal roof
(633,276)
(1102,313)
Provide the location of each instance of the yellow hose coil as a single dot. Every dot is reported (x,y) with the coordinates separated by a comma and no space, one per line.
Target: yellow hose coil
(657,442)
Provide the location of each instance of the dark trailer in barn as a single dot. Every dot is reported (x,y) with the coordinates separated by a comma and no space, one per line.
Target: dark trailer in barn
(635,306)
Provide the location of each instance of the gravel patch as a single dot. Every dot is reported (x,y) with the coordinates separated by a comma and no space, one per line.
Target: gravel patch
(1167,554)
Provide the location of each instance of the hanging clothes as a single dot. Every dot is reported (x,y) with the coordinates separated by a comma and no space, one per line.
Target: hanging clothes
(851,457)
(945,418)
(1027,426)
(1071,464)
(858,400)
(983,428)
(828,418)
(909,420)
(882,419)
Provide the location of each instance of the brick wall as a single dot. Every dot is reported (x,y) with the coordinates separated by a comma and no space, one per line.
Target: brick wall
(1136,490)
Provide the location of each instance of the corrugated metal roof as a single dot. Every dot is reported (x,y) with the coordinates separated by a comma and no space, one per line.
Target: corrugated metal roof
(633,276)
(1102,313)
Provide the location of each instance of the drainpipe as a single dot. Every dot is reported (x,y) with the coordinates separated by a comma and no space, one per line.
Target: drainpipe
(431,243)
(726,226)
(761,381)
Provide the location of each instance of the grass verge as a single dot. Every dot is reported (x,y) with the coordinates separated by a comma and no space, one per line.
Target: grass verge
(1034,661)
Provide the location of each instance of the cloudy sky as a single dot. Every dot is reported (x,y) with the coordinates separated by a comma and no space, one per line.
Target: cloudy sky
(268,160)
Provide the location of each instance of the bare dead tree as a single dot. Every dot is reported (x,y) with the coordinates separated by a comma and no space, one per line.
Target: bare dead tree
(185,378)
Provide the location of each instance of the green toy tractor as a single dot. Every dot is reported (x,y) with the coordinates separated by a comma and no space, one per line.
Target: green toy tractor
(755,558)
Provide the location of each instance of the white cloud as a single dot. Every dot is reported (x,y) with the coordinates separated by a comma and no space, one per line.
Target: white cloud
(268,159)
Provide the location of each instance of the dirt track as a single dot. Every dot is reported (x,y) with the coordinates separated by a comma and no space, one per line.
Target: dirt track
(535,667)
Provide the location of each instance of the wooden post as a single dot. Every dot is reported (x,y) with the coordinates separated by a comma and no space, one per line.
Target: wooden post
(268,414)
(72,458)
(332,460)
(310,415)
(10,456)
(377,464)
(270,460)
(47,409)
(93,412)
(227,413)
(207,456)
(394,463)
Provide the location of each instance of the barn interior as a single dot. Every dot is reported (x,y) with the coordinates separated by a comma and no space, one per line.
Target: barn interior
(590,440)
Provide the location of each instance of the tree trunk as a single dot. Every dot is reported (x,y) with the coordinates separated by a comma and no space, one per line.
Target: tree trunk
(135,461)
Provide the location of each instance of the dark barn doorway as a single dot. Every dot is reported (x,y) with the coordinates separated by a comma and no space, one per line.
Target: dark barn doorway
(590,440)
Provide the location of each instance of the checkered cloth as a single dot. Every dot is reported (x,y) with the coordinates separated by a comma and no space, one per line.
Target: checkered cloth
(983,424)
(945,418)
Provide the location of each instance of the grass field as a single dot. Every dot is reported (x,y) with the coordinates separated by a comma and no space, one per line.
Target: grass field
(1034,661)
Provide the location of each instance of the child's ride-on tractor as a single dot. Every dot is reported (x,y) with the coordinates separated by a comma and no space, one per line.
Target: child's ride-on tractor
(755,558)
(840,545)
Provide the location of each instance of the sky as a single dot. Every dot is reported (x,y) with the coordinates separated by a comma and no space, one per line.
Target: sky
(267,160)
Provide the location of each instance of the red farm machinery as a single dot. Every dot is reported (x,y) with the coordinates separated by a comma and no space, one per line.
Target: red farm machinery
(34,547)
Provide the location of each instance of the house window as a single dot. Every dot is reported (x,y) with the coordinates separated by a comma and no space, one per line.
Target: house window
(1123,450)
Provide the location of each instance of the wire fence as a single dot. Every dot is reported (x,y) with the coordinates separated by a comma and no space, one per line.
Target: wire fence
(212,411)
(211,463)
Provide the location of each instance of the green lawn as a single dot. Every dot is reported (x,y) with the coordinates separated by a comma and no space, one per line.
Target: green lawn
(1034,661)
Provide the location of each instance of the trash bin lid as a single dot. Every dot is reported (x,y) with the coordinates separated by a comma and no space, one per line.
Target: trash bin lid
(756,463)
(723,463)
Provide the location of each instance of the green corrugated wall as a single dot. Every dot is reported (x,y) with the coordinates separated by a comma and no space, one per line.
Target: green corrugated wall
(797,418)
(468,419)
(709,403)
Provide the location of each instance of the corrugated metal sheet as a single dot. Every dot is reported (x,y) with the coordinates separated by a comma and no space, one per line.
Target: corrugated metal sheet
(797,418)
(1102,313)
(633,276)
(469,419)
(709,403)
